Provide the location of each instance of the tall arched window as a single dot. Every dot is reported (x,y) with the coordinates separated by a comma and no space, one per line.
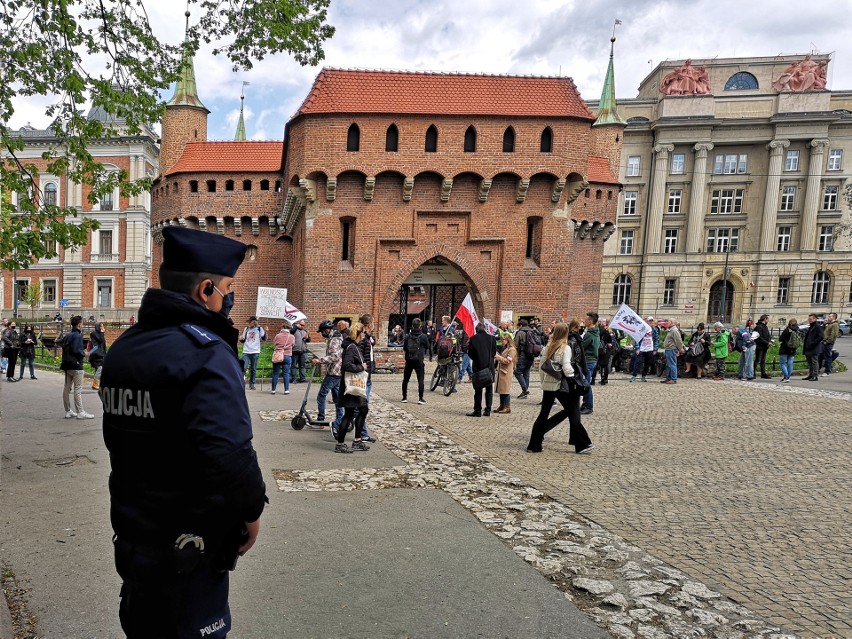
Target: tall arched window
(821,287)
(431,139)
(353,138)
(621,290)
(392,139)
(470,140)
(509,140)
(50,194)
(547,140)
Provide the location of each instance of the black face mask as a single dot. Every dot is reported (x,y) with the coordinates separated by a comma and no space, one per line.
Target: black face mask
(227,304)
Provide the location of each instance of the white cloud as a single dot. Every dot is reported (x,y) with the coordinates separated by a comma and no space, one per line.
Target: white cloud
(505,36)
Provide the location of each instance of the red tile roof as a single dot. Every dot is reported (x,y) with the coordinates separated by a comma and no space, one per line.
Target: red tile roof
(599,171)
(431,93)
(230,157)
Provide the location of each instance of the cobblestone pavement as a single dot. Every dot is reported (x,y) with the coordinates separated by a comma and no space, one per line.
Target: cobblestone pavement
(744,487)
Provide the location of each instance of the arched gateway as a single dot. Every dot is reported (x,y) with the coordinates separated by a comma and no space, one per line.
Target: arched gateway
(435,288)
(721,302)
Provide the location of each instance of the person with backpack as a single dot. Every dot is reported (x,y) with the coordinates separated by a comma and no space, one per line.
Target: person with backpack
(414,345)
(591,346)
(72,363)
(790,340)
(464,343)
(719,345)
(445,340)
(566,349)
(529,347)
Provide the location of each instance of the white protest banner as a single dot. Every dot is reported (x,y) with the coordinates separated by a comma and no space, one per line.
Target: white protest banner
(505,316)
(294,315)
(490,328)
(271,302)
(628,321)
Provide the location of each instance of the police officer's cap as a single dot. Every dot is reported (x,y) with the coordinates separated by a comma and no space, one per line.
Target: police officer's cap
(190,251)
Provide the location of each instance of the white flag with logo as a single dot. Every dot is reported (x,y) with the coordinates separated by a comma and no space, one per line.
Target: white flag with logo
(293,314)
(627,320)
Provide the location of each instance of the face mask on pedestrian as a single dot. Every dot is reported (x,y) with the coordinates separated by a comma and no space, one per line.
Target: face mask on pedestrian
(227,304)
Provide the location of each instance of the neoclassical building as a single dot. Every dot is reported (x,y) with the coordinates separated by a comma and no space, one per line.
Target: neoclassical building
(740,162)
(106,277)
(397,193)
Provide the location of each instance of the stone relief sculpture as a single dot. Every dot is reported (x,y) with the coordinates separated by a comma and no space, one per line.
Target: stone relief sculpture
(806,75)
(686,80)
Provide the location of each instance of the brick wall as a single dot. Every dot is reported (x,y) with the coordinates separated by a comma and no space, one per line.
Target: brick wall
(181,124)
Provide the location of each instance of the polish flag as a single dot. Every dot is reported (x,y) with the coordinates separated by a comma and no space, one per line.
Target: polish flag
(467,315)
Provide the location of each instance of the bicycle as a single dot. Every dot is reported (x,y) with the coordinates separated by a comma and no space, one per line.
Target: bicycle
(447,374)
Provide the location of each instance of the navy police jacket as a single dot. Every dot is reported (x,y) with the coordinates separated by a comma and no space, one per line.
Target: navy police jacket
(177,426)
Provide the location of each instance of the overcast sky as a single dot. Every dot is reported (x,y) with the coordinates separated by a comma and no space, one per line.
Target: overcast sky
(542,37)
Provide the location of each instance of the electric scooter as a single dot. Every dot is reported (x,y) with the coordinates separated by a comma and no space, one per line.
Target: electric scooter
(303,418)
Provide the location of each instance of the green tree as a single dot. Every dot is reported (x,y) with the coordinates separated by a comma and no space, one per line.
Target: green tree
(32,298)
(105,52)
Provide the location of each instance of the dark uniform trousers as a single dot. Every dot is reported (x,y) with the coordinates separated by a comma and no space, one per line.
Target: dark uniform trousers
(159,603)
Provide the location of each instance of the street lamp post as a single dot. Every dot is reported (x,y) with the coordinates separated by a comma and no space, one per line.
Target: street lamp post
(725,283)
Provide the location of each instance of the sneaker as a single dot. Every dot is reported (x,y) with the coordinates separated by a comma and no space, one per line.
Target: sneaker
(644,379)
(369,439)
(33,377)
(403,401)
(785,380)
(586,411)
(524,394)
(70,414)
(718,379)
(421,401)
(342,448)
(286,392)
(825,375)
(334,432)
(85,415)
(272,393)
(632,379)
(586,451)
(359,446)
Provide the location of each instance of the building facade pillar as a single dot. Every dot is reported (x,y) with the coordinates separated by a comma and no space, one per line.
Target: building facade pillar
(773,187)
(695,221)
(658,193)
(807,241)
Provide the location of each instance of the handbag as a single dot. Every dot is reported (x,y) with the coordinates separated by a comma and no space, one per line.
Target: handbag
(552,368)
(356,383)
(277,357)
(482,378)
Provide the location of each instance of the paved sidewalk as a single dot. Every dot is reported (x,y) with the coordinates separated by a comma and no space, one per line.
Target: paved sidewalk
(743,486)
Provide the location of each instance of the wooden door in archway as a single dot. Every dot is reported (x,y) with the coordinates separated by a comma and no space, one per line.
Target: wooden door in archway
(714,303)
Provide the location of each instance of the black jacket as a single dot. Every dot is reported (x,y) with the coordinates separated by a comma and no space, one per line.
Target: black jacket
(28,350)
(352,362)
(763,335)
(178,428)
(482,350)
(422,345)
(98,348)
(813,340)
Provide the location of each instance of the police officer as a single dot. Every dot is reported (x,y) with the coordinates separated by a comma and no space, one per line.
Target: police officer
(186,489)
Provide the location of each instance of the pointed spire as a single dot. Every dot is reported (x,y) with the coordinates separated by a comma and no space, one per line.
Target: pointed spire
(607,108)
(186,92)
(241,124)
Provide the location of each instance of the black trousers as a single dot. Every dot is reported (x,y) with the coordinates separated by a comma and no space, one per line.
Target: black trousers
(644,363)
(603,368)
(477,398)
(12,355)
(348,416)
(760,359)
(544,423)
(417,367)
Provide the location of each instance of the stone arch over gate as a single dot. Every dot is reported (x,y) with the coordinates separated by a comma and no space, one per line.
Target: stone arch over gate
(474,277)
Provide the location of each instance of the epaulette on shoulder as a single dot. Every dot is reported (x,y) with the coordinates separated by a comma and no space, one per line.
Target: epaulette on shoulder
(202,336)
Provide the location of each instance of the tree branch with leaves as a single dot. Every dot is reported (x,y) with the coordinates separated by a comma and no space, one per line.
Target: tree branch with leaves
(105,53)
